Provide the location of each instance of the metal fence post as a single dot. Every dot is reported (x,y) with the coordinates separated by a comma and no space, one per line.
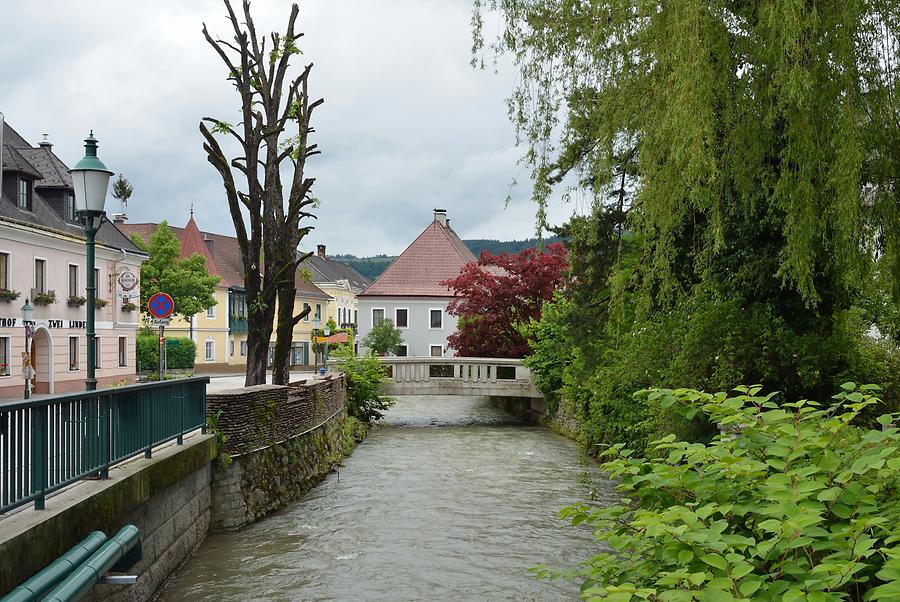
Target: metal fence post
(105,434)
(39,453)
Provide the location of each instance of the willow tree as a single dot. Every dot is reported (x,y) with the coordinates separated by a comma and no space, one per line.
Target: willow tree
(273,141)
(765,134)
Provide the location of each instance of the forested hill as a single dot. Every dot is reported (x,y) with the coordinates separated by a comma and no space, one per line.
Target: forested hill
(372,267)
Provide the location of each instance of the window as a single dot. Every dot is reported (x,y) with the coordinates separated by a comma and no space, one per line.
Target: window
(96,352)
(305,308)
(401,318)
(4,356)
(70,207)
(211,312)
(231,347)
(4,271)
(73,353)
(402,351)
(377,317)
(437,351)
(355,315)
(243,348)
(210,348)
(318,311)
(24,194)
(73,280)
(98,290)
(40,275)
(436,318)
(123,352)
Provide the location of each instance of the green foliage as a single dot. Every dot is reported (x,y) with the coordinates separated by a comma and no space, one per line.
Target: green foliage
(187,281)
(364,377)
(384,338)
(551,349)
(122,189)
(793,503)
(180,352)
(354,434)
(212,423)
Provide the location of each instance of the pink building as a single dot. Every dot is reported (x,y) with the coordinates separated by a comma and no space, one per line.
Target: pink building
(42,259)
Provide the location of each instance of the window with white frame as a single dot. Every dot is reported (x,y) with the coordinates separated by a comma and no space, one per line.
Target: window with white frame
(70,207)
(401,317)
(402,351)
(73,280)
(377,316)
(243,348)
(97,288)
(306,308)
(96,352)
(74,353)
(436,319)
(211,311)
(210,348)
(318,311)
(4,271)
(24,194)
(4,356)
(40,275)
(123,352)
(437,350)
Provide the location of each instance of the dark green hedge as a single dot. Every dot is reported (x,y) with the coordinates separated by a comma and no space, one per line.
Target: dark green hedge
(180,352)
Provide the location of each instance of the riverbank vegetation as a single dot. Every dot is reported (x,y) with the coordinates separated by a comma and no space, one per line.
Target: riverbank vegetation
(795,503)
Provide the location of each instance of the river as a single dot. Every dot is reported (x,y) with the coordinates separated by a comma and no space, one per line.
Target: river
(451,499)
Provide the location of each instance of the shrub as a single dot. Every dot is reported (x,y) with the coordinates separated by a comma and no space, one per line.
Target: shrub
(794,503)
(383,338)
(364,376)
(180,352)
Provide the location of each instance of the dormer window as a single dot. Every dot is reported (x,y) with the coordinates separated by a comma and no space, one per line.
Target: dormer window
(70,206)
(24,194)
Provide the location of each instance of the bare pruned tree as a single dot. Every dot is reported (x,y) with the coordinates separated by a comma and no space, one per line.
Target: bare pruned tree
(266,211)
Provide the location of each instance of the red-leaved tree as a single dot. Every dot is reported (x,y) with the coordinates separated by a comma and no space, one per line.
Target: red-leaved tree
(497,293)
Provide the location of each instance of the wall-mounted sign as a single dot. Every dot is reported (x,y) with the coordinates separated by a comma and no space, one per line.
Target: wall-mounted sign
(127,280)
(15,322)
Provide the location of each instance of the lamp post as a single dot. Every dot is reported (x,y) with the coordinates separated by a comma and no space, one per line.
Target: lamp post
(90,177)
(27,313)
(325,353)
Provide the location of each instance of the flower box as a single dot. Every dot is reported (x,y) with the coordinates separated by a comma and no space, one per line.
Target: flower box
(100,303)
(7,295)
(128,306)
(76,301)
(43,298)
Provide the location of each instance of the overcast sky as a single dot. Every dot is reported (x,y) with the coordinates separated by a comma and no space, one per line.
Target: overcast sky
(407,124)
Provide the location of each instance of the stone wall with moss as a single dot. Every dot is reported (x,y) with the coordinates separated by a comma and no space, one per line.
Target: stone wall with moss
(280,442)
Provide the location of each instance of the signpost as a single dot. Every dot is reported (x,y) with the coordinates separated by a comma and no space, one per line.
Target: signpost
(161,307)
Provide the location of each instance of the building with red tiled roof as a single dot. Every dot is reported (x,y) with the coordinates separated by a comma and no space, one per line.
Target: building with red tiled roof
(410,293)
(221,332)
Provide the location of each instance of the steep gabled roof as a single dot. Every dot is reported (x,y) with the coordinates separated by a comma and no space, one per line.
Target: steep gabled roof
(192,242)
(54,172)
(13,160)
(437,254)
(326,270)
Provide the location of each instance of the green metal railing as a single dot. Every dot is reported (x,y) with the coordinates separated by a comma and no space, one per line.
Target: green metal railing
(46,444)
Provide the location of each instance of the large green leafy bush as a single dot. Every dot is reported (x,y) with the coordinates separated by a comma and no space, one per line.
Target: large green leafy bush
(364,377)
(793,502)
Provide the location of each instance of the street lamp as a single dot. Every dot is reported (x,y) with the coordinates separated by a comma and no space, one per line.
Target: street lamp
(90,178)
(325,354)
(315,334)
(27,314)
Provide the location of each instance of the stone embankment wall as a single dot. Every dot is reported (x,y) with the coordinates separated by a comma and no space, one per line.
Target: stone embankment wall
(167,498)
(281,440)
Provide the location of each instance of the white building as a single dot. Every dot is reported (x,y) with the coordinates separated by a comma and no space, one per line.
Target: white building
(410,293)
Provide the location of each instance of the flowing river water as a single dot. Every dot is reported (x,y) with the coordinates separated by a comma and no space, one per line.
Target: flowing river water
(451,499)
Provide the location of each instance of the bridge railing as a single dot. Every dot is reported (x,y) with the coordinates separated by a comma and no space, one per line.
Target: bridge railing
(460,369)
(48,443)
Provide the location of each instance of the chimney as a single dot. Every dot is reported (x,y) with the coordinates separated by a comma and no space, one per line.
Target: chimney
(320,251)
(45,143)
(119,218)
(440,215)
(209,243)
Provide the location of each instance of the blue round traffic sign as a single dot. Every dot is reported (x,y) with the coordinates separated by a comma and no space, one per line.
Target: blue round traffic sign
(161,305)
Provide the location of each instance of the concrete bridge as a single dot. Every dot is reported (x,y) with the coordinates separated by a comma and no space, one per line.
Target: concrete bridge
(499,378)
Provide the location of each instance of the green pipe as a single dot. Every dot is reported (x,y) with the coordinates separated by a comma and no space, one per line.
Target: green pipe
(42,582)
(84,577)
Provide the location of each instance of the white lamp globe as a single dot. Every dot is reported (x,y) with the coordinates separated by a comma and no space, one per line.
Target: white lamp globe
(90,178)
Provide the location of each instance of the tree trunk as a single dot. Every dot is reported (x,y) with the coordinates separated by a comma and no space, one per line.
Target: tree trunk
(281,371)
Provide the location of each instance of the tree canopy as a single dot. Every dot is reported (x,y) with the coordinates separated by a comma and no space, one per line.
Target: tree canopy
(187,281)
(383,338)
(496,295)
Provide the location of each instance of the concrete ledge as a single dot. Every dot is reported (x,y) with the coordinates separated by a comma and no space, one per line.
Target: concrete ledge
(31,539)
